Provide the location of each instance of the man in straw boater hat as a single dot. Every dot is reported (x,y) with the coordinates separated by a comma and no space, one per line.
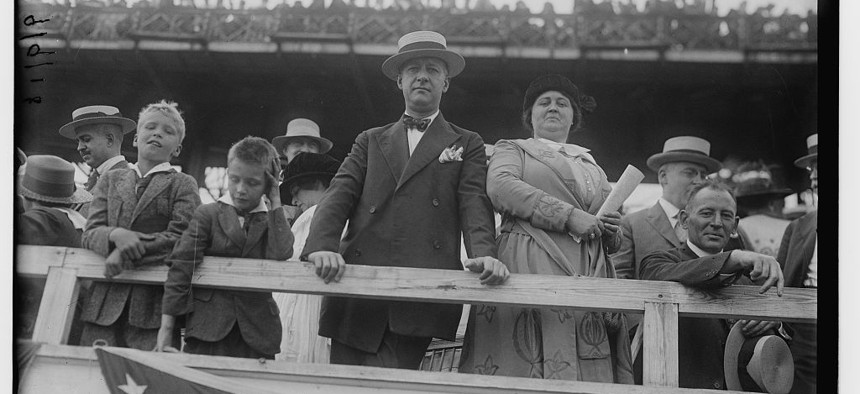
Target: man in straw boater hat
(702,261)
(48,191)
(303,135)
(760,203)
(99,131)
(409,189)
(798,255)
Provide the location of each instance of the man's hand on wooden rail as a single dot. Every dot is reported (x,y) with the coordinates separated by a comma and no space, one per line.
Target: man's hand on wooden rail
(493,271)
(329,265)
(764,270)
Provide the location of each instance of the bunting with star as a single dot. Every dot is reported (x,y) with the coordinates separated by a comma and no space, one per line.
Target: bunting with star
(130,371)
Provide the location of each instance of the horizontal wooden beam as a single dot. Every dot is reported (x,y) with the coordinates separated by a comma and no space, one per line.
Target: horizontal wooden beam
(448,286)
(284,376)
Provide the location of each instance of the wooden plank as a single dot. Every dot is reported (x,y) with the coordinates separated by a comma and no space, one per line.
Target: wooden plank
(660,360)
(326,378)
(454,286)
(35,260)
(57,308)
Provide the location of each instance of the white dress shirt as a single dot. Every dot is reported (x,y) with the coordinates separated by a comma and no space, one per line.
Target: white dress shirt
(163,167)
(261,207)
(414,136)
(109,163)
(812,271)
(670,210)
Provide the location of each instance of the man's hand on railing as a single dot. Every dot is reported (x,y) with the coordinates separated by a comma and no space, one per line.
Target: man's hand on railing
(762,269)
(115,264)
(130,243)
(754,328)
(493,272)
(165,335)
(329,265)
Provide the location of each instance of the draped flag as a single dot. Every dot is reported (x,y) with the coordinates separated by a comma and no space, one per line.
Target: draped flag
(130,371)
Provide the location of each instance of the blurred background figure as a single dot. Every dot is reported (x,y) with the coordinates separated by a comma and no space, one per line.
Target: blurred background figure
(760,204)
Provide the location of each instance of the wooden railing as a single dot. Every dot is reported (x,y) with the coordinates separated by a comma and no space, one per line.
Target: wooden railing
(661,302)
(677,31)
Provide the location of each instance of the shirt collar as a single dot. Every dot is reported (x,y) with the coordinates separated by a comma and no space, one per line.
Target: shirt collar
(431,117)
(570,149)
(261,207)
(670,210)
(78,220)
(109,163)
(698,251)
(162,167)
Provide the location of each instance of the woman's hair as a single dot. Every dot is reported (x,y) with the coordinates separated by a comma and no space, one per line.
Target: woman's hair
(553,82)
(255,150)
(169,109)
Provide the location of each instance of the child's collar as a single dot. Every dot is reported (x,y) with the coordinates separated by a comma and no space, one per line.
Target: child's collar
(162,167)
(261,207)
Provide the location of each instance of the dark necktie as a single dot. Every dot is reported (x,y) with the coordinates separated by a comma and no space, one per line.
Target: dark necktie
(92,179)
(680,232)
(142,184)
(418,124)
(246,219)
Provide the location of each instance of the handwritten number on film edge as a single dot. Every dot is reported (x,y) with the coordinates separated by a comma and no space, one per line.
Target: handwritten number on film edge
(33,51)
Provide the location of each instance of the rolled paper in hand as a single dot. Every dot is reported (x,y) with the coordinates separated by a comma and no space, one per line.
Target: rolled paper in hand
(622,190)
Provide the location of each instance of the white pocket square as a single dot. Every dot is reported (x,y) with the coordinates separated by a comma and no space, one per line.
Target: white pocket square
(451,154)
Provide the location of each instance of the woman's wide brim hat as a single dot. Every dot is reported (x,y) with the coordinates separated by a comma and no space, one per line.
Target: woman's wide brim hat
(301,128)
(307,165)
(685,149)
(758,363)
(423,44)
(96,114)
(51,179)
(812,147)
(756,179)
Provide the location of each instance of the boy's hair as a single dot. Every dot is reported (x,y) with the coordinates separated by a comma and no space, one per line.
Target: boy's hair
(255,150)
(169,109)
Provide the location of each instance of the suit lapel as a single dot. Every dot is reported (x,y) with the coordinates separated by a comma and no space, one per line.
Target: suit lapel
(125,188)
(437,137)
(657,218)
(395,148)
(557,163)
(229,221)
(256,229)
(160,181)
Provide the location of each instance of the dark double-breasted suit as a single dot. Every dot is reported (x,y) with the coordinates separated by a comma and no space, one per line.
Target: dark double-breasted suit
(701,342)
(795,254)
(403,211)
(211,314)
(47,226)
(163,210)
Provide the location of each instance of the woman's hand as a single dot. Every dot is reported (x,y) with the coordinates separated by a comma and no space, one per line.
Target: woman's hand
(611,221)
(130,243)
(584,225)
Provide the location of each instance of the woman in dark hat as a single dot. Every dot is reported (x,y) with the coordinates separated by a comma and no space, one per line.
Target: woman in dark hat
(760,203)
(306,179)
(548,192)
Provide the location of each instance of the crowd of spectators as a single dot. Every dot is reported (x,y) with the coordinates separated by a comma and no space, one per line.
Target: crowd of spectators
(605,7)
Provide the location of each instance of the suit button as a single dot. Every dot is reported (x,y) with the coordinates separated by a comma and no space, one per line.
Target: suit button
(435,202)
(372,209)
(357,253)
(437,245)
(717,385)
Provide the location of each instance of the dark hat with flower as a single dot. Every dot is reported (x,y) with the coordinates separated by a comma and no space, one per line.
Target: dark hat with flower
(304,166)
(756,179)
(559,83)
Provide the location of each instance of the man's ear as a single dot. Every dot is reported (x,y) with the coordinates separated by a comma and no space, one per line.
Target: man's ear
(682,217)
(661,177)
(445,86)
(110,138)
(399,82)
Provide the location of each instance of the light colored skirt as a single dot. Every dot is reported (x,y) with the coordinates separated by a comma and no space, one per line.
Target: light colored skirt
(300,316)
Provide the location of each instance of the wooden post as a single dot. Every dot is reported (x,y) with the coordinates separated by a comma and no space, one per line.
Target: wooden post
(57,308)
(660,360)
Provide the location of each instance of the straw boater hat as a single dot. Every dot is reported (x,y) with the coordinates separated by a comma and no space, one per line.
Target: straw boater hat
(301,128)
(51,179)
(812,146)
(755,179)
(423,44)
(96,114)
(687,149)
(307,165)
(758,363)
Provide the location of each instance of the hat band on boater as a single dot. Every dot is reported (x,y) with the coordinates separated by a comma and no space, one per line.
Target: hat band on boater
(813,150)
(49,189)
(96,115)
(421,45)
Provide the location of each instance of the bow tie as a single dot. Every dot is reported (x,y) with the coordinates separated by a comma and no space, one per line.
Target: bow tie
(412,123)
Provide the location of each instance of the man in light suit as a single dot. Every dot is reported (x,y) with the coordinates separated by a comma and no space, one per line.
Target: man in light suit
(409,189)
(684,162)
(798,256)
